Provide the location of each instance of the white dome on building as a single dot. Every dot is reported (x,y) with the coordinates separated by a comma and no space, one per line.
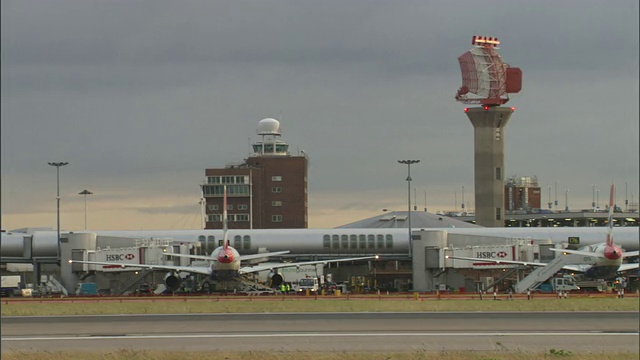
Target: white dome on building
(269,126)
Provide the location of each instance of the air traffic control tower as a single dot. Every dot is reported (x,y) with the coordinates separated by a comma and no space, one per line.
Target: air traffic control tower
(487,81)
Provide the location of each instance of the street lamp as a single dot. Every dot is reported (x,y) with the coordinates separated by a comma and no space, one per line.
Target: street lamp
(408,163)
(58,165)
(566,200)
(85,193)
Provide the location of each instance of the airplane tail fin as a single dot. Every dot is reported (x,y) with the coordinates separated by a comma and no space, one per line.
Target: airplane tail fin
(610,218)
(225,241)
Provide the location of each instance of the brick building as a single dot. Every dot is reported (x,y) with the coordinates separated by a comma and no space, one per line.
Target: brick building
(266,191)
(522,193)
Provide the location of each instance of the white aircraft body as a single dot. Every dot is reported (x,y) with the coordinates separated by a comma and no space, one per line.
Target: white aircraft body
(608,256)
(225,262)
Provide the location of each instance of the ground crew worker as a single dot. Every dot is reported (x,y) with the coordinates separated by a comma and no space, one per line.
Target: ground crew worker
(288,287)
(282,288)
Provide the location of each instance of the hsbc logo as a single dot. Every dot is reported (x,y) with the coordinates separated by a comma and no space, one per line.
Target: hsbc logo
(120,257)
(490,254)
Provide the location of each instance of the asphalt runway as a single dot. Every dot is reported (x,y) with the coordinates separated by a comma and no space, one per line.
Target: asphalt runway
(380,332)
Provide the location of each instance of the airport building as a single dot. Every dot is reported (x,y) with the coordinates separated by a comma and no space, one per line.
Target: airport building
(268,190)
(522,193)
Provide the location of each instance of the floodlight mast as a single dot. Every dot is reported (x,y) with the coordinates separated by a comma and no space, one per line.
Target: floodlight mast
(485,75)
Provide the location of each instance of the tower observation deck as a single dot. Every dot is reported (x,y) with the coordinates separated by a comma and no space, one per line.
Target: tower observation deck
(270,145)
(487,81)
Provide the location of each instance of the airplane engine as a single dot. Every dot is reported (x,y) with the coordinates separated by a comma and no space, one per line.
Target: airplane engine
(172,281)
(276,280)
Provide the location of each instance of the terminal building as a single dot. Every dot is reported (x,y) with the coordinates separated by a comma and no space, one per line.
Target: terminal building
(267,211)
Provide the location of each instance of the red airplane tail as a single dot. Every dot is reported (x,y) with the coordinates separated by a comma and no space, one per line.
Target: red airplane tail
(610,218)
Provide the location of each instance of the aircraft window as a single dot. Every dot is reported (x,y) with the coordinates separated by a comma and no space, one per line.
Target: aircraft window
(326,241)
(389,241)
(336,242)
(362,241)
(353,239)
(246,242)
(371,243)
(211,243)
(344,240)
(203,242)
(237,241)
(380,239)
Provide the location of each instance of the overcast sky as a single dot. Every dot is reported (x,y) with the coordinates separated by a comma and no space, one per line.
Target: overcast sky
(140,97)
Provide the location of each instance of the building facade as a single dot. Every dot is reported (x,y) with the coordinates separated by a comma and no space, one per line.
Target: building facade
(522,193)
(266,191)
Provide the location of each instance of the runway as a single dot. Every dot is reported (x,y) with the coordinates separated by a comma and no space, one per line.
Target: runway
(430,331)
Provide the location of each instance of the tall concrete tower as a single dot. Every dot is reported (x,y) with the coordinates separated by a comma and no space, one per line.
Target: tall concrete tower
(490,80)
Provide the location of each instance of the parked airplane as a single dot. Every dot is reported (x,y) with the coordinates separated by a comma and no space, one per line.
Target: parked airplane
(607,256)
(225,262)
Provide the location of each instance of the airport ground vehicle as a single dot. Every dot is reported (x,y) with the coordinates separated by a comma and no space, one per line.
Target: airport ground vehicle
(86,289)
(10,285)
(310,284)
(143,289)
(557,284)
(330,287)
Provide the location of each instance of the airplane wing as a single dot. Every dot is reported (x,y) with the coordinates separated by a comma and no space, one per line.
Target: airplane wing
(196,257)
(511,262)
(192,269)
(627,254)
(242,257)
(578,252)
(258,268)
(627,267)
(262,255)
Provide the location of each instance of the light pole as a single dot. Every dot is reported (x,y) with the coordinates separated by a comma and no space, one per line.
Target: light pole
(58,165)
(556,195)
(593,197)
(566,200)
(408,163)
(626,201)
(85,193)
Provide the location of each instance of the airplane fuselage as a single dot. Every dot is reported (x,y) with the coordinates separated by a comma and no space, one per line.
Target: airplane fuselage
(608,261)
(226,265)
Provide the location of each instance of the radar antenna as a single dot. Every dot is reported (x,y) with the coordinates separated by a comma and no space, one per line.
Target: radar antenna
(485,75)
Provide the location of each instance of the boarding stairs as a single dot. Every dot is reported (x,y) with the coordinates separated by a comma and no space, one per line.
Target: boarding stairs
(543,273)
(500,279)
(51,285)
(249,287)
(134,280)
